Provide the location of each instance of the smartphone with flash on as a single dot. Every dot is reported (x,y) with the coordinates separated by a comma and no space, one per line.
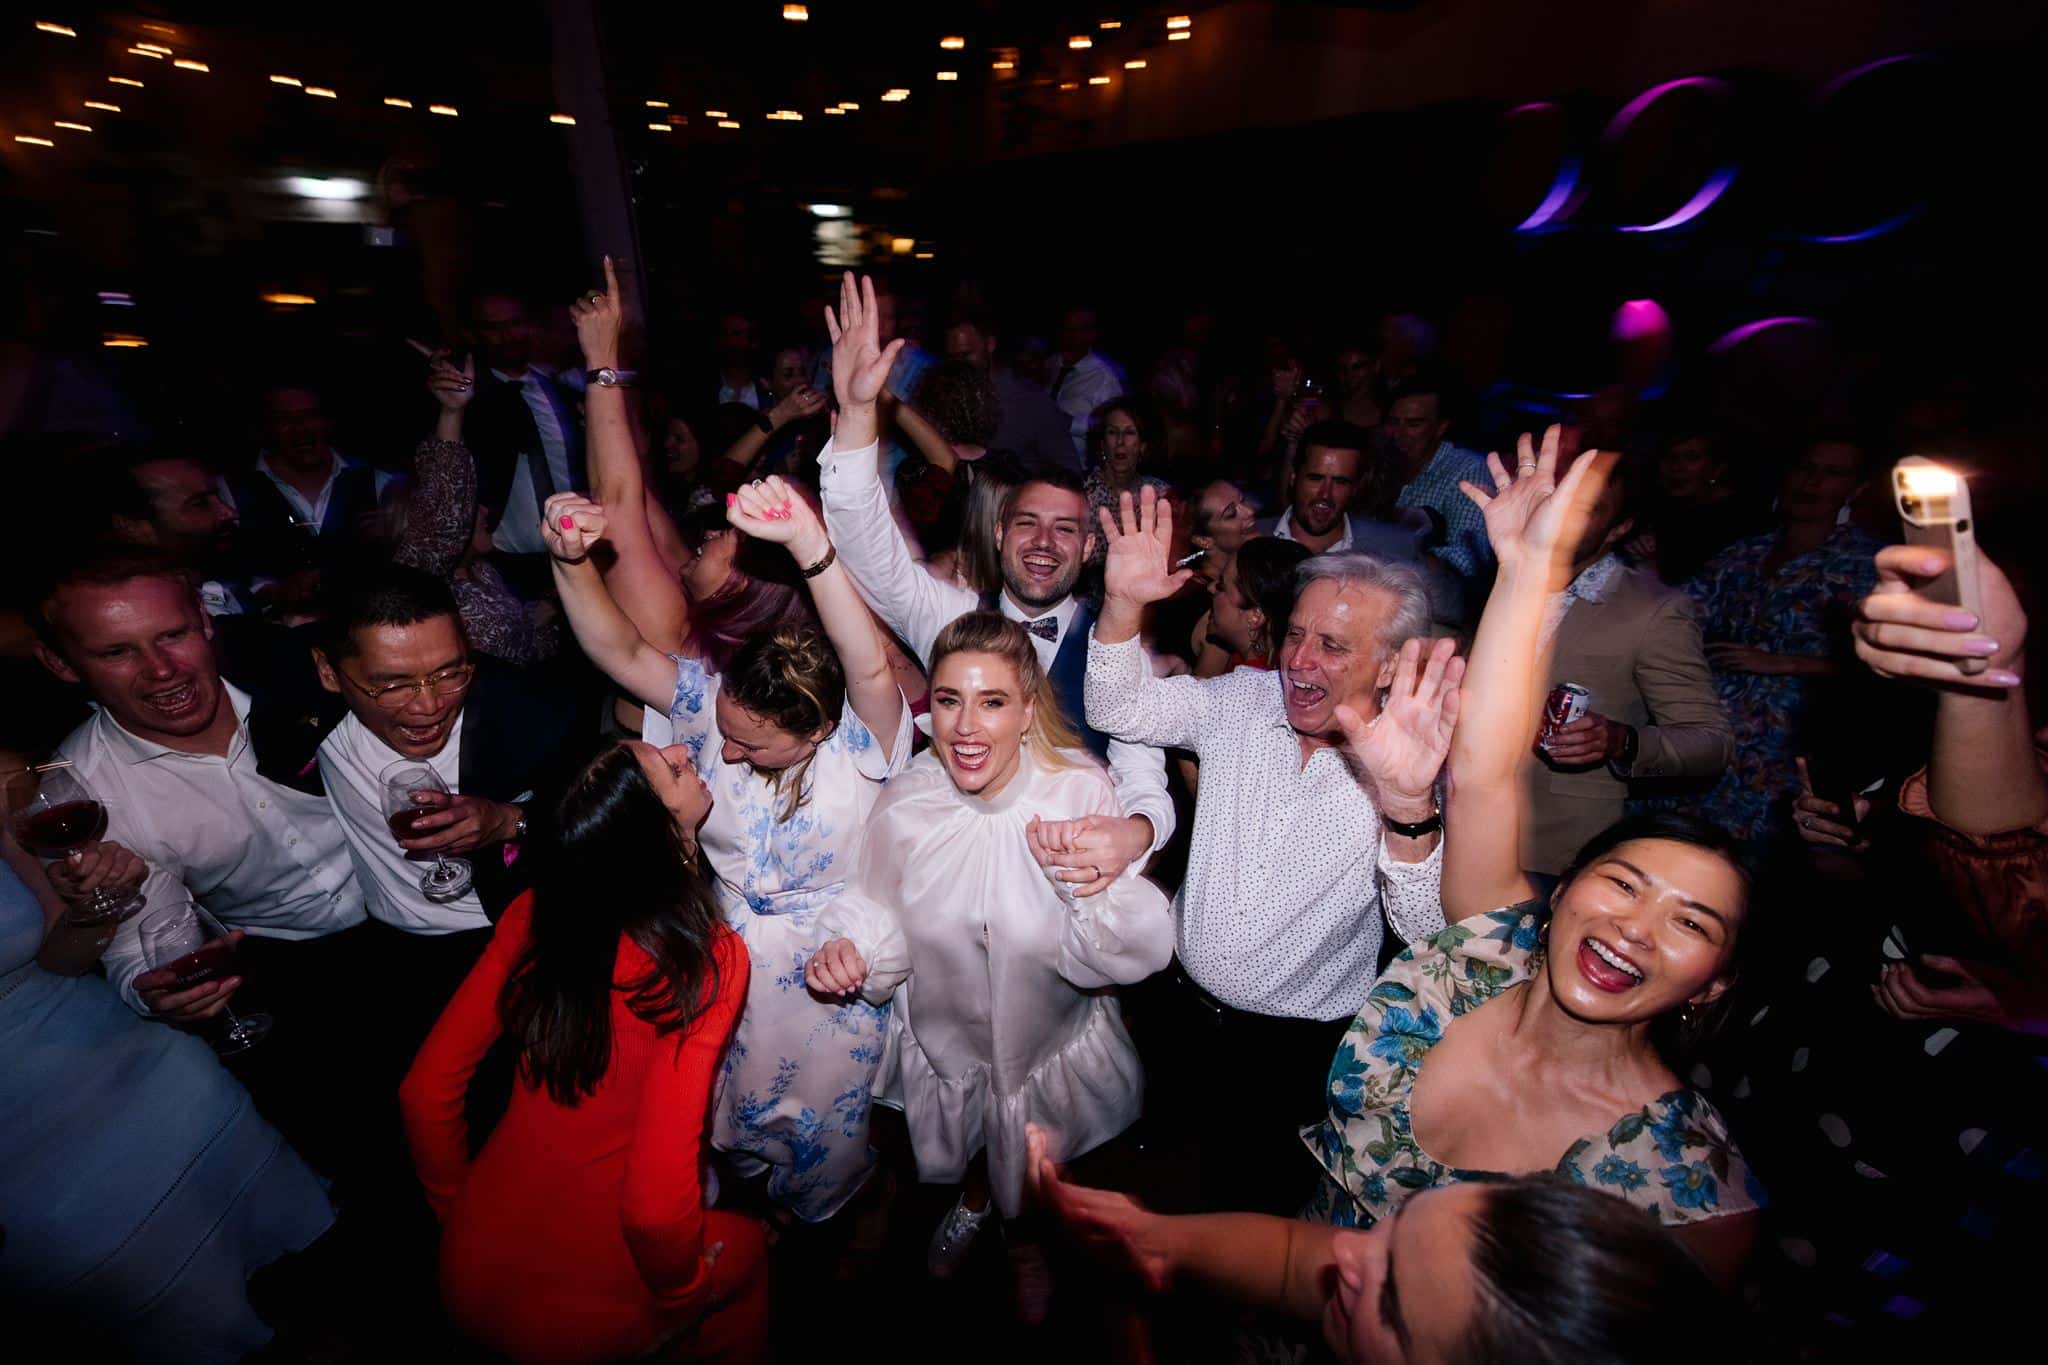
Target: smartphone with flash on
(1934,505)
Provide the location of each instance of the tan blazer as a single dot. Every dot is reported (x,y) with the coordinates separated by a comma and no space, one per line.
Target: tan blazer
(1639,652)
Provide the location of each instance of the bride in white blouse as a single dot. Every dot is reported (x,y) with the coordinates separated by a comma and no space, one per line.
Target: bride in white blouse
(995,968)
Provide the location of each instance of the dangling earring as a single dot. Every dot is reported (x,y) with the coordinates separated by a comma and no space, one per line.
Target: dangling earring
(1687,1017)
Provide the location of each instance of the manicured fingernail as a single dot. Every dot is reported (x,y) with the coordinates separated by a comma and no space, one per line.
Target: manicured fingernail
(731,498)
(1960,620)
(1980,646)
(568,523)
(2001,677)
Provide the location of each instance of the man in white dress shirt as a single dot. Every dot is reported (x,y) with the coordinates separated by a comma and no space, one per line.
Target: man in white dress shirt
(1312,820)
(1085,379)
(1044,539)
(528,442)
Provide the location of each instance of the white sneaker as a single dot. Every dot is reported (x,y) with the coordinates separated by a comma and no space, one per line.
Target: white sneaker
(954,1235)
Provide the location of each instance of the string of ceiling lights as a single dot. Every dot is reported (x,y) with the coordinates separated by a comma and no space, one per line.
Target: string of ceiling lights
(1178,28)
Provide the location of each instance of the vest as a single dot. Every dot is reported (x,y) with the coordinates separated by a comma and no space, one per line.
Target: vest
(269,521)
(1069,674)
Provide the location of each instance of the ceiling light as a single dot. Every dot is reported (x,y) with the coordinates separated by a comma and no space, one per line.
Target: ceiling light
(74,127)
(949,75)
(1002,66)
(834,109)
(291,300)
(154,47)
(321,92)
(322,187)
(1135,64)
(786,116)
(849,106)
(829,210)
(727,123)
(896,95)
(34,141)
(1180,21)
(1079,41)
(1070,85)
(716,113)
(115,298)
(58,29)
(657,104)
(1179,37)
(921,255)
(187,64)
(121,341)
(566,120)
(397,103)
(796,14)
(952,44)
(146,52)
(1112,23)
(286,80)
(1098,80)
(125,80)
(103,106)
(902,245)
(444,110)
(659,128)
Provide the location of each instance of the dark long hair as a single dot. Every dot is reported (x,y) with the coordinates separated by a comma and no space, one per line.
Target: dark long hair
(610,863)
(1570,1275)
(1679,1036)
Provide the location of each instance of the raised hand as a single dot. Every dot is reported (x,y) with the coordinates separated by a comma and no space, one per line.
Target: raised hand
(452,388)
(802,403)
(598,316)
(1139,567)
(836,970)
(1402,749)
(570,525)
(860,363)
(770,509)
(1532,514)
(1902,634)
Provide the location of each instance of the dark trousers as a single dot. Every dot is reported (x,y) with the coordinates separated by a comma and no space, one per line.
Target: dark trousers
(1240,1086)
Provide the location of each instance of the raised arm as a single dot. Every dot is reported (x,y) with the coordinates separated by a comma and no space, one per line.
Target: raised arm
(640,580)
(571,525)
(739,457)
(771,510)
(1532,522)
(910,601)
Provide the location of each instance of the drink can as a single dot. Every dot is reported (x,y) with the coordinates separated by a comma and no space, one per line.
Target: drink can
(1566,703)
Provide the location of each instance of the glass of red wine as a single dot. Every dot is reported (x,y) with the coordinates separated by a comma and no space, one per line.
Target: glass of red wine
(53,814)
(196,946)
(449,877)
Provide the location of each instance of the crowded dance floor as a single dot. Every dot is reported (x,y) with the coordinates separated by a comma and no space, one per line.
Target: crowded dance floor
(769,682)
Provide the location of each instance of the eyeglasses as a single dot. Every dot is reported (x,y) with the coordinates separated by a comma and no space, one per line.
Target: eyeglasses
(449,682)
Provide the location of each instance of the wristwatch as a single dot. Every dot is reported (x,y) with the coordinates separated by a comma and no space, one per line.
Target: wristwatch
(1416,830)
(609,378)
(1626,759)
(764,421)
(519,830)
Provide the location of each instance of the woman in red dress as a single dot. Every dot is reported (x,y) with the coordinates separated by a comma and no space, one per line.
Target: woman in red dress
(579,1232)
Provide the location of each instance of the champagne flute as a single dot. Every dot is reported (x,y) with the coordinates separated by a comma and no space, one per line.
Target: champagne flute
(449,877)
(196,946)
(53,814)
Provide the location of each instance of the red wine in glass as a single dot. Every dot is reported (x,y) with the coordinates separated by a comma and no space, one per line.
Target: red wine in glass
(210,963)
(402,822)
(450,876)
(55,830)
(195,946)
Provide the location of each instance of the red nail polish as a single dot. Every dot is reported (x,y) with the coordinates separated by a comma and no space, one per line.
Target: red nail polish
(568,523)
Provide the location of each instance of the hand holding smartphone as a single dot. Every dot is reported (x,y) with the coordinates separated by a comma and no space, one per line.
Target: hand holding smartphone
(1934,506)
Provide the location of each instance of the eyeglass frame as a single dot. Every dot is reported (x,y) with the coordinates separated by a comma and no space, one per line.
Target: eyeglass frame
(411,687)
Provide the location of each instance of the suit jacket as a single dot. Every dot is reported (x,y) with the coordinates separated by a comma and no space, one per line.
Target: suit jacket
(1638,651)
(500,432)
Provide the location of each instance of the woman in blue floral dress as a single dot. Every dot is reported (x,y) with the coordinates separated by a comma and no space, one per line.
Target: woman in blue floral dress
(1774,610)
(1539,1037)
(794,738)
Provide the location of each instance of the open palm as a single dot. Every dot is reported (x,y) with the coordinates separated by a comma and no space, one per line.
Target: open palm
(1533,513)
(1138,567)
(1403,748)
(860,363)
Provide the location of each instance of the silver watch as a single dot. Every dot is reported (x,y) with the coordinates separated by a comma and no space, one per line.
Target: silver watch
(609,378)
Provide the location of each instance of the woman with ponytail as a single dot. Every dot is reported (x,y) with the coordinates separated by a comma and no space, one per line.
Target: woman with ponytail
(794,735)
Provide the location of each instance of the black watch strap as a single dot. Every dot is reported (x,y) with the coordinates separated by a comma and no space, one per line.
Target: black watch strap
(1417,829)
(764,421)
(1624,762)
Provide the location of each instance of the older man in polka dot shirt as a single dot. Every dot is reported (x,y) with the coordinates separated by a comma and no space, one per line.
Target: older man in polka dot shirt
(1317,813)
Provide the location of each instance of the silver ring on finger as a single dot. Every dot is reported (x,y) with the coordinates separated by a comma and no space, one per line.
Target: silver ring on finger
(1525,469)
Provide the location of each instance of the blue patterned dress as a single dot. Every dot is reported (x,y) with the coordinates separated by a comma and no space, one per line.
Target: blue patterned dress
(1803,609)
(1672,1157)
(798,1079)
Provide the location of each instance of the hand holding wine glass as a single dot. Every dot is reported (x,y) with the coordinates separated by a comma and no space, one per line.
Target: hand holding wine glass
(54,814)
(404,807)
(186,948)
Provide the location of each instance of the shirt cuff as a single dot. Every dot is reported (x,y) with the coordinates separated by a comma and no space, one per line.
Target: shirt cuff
(1429,869)
(830,457)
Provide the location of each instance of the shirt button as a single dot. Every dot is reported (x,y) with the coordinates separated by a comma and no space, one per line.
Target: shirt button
(262,805)
(293,841)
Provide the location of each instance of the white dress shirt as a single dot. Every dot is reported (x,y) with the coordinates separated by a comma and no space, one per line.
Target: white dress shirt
(313,510)
(1280,911)
(518,530)
(1085,385)
(257,855)
(917,606)
(1284,528)
(351,763)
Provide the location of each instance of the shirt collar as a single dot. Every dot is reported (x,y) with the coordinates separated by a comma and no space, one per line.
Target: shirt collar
(1596,580)
(132,749)
(1284,528)
(334,468)
(1063,614)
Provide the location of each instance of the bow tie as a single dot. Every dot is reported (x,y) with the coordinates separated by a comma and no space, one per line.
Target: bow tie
(1045,627)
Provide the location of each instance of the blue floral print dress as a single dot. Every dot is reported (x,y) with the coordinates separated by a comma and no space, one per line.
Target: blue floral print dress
(798,1079)
(1672,1157)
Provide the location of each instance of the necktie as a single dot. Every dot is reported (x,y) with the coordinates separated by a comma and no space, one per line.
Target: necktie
(1045,627)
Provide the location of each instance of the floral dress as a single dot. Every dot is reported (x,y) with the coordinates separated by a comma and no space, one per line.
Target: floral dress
(1672,1157)
(798,1079)
(1800,610)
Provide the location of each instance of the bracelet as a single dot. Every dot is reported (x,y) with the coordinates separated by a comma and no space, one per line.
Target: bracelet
(831,554)
(1415,830)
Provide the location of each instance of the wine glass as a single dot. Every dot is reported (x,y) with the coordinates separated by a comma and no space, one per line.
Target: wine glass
(54,813)
(196,946)
(449,877)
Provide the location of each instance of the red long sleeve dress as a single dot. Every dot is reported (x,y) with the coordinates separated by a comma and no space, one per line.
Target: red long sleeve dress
(579,1232)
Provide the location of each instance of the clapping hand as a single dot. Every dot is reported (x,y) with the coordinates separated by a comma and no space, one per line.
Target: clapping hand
(860,363)
(770,509)
(1902,634)
(1139,567)
(1402,749)
(836,970)
(1533,515)
(570,526)
(598,316)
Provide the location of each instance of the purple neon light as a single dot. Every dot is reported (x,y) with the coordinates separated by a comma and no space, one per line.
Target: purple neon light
(1749,329)
(1897,220)
(1717,183)
(1557,201)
